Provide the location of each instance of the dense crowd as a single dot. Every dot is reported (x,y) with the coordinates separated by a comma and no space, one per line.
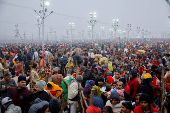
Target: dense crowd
(127,77)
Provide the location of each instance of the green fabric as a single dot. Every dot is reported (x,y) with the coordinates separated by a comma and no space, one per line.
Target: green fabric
(110,66)
(65,90)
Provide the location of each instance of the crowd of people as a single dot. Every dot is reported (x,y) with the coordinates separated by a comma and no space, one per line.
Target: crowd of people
(129,77)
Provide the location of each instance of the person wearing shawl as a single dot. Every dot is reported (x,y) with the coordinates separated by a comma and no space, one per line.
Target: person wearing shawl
(67,79)
(54,89)
(69,64)
(88,86)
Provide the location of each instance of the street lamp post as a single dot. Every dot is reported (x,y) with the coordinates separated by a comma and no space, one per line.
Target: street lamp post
(111,33)
(89,30)
(39,26)
(138,31)
(128,30)
(119,33)
(71,31)
(42,15)
(103,34)
(143,32)
(17,33)
(115,25)
(92,22)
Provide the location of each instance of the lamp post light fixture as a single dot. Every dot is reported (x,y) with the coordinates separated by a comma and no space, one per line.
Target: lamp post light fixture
(92,22)
(43,16)
(115,25)
(128,30)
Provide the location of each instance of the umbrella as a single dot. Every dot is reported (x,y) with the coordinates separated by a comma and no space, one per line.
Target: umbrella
(103,59)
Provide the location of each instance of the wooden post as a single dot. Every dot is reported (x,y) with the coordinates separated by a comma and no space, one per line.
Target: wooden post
(84,99)
(81,103)
(31,84)
(92,96)
(163,87)
(22,69)
(77,70)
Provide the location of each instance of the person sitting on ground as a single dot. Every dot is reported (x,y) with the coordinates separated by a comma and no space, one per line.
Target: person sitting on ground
(145,105)
(9,106)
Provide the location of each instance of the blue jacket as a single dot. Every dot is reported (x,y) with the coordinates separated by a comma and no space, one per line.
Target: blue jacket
(98,102)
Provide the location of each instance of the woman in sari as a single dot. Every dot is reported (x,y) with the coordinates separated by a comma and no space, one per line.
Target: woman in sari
(54,89)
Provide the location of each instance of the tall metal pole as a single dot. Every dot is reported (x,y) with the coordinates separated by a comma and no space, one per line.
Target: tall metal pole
(128,30)
(24,37)
(115,25)
(71,31)
(92,22)
(42,16)
(138,31)
(43,26)
(17,33)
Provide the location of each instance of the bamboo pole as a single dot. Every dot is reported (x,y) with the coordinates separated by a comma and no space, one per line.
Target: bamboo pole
(31,84)
(163,87)
(22,67)
(92,96)
(81,102)
(84,99)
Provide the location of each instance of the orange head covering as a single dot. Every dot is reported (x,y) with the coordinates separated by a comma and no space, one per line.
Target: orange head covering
(54,87)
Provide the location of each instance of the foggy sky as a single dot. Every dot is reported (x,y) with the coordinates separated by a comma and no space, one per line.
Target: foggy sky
(151,15)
